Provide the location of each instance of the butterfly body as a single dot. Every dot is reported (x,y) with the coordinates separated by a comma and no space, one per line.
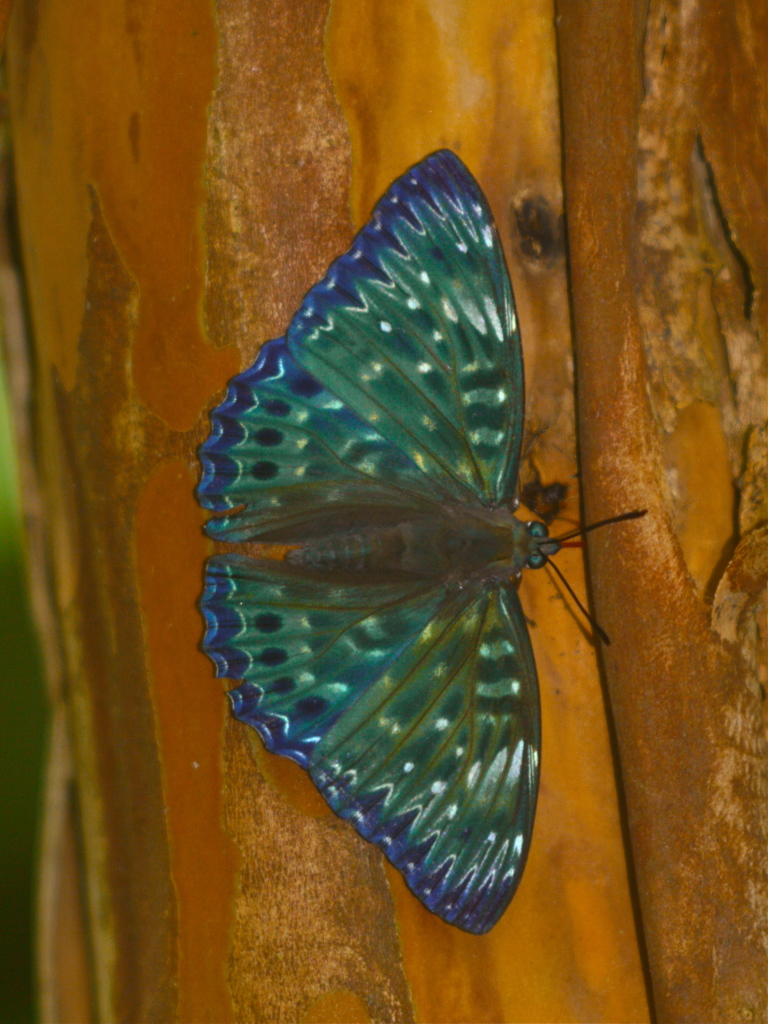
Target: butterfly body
(388,654)
(462,543)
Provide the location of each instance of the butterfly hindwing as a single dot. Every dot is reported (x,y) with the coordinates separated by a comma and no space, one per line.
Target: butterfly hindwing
(415,710)
(415,330)
(437,762)
(305,646)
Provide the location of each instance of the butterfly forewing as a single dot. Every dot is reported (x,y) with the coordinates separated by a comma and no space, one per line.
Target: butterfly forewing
(395,397)
(415,330)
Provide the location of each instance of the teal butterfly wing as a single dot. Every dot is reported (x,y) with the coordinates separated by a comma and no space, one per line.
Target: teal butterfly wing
(399,382)
(305,645)
(287,457)
(397,392)
(414,708)
(442,775)
(415,330)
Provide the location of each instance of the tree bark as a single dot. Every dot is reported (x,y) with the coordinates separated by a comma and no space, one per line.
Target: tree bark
(184,173)
(655,211)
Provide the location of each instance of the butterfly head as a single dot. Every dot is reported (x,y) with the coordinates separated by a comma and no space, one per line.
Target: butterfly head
(541,546)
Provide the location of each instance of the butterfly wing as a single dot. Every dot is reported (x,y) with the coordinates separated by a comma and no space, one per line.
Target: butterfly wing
(415,710)
(398,388)
(414,329)
(287,458)
(398,385)
(305,646)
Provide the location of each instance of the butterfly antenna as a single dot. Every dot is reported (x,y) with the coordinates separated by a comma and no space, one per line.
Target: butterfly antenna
(603,522)
(590,618)
(562,541)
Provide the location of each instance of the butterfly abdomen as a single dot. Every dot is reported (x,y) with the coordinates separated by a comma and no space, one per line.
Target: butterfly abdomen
(374,548)
(458,545)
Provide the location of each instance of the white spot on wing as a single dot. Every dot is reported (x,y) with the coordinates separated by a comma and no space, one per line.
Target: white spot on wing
(517,761)
(493,316)
(448,309)
(494,772)
(473,314)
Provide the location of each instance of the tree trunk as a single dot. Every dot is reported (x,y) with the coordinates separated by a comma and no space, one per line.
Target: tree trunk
(184,173)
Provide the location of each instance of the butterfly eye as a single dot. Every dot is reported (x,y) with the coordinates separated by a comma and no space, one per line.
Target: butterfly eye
(536,529)
(536,560)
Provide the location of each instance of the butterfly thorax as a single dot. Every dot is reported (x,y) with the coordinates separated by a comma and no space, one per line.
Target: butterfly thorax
(463,543)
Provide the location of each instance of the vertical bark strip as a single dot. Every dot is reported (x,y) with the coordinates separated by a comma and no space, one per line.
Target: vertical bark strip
(689,727)
(308,892)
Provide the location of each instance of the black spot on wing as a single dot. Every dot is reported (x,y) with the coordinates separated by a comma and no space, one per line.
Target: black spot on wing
(276,407)
(269,436)
(264,470)
(273,656)
(268,622)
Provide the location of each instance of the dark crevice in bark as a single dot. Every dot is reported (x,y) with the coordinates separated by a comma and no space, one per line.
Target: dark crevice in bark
(749,284)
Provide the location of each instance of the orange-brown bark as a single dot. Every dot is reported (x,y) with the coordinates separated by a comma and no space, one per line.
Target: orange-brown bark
(686,707)
(184,174)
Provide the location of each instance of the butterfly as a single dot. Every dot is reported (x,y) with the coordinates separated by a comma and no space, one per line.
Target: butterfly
(388,654)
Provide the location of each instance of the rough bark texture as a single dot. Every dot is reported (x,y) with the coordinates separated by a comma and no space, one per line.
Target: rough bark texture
(184,173)
(668,247)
